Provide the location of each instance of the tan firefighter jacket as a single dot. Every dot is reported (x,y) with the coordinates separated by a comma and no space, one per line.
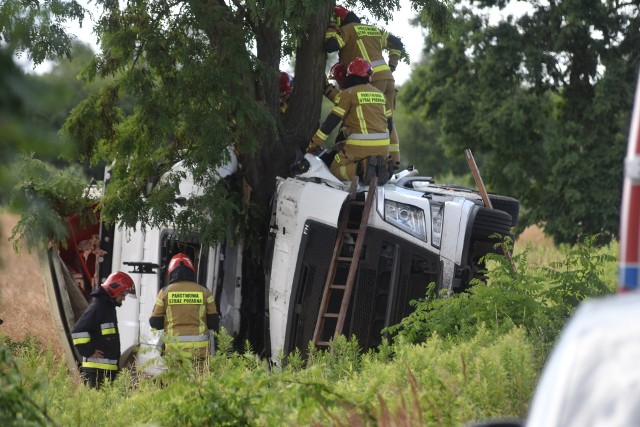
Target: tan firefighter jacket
(185,306)
(364,115)
(367,42)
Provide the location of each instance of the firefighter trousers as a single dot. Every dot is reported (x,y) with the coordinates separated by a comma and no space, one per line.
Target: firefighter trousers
(94,377)
(388,87)
(345,162)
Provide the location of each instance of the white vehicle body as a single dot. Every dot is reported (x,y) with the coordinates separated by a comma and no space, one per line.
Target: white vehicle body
(148,247)
(432,237)
(144,255)
(592,377)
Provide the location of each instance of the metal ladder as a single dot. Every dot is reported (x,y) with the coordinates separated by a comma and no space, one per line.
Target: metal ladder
(334,292)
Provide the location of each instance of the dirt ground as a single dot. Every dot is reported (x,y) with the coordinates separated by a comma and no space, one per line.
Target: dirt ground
(24,308)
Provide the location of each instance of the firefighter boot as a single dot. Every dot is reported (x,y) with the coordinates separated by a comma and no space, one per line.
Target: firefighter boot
(371,169)
(382,170)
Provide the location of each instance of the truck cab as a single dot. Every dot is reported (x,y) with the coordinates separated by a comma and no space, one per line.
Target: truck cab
(418,233)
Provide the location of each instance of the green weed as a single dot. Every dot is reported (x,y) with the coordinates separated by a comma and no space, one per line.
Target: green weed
(471,356)
(539,299)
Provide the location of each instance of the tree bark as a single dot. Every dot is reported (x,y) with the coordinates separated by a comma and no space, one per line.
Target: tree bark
(278,149)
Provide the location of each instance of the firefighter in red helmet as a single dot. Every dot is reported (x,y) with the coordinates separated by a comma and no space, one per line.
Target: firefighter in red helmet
(338,73)
(96,334)
(286,87)
(366,122)
(351,38)
(185,310)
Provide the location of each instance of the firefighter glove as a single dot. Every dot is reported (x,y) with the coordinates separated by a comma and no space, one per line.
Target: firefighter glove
(313,149)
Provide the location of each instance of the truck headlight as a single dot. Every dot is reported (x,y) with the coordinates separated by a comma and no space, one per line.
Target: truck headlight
(406,217)
(437,215)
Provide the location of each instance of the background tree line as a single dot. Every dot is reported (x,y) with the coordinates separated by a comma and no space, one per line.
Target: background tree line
(543,100)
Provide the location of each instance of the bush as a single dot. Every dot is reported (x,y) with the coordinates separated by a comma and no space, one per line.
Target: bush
(466,357)
(17,406)
(540,300)
(442,382)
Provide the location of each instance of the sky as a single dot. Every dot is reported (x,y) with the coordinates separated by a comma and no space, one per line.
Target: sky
(411,36)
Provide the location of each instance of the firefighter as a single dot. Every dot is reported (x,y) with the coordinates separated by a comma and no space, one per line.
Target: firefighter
(351,39)
(185,310)
(96,334)
(338,73)
(366,122)
(286,87)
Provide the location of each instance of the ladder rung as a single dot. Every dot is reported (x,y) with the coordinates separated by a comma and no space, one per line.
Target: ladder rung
(338,287)
(344,258)
(324,343)
(357,202)
(352,230)
(331,315)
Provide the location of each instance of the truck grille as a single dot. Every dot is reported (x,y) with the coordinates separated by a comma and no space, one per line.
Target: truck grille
(391,273)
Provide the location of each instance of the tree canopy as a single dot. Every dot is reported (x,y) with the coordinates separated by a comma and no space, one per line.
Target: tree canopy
(202,75)
(544,99)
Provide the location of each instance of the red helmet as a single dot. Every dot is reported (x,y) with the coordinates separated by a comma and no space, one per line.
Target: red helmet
(359,67)
(178,260)
(338,73)
(119,283)
(286,83)
(340,12)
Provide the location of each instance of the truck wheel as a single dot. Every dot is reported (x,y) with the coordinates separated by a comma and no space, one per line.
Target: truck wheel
(506,204)
(477,264)
(503,203)
(489,222)
(475,268)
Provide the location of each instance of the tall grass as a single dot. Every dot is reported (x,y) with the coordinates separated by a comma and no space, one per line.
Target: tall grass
(462,358)
(434,383)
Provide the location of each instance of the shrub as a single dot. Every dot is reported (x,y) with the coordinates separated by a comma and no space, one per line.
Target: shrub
(17,406)
(539,299)
(464,357)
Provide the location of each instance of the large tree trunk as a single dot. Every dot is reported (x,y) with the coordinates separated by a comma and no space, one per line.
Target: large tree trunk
(303,114)
(299,122)
(278,150)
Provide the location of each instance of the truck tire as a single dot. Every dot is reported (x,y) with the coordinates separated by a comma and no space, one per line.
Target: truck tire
(477,251)
(506,204)
(503,203)
(489,222)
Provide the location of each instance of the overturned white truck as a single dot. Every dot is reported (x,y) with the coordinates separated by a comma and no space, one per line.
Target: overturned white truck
(417,232)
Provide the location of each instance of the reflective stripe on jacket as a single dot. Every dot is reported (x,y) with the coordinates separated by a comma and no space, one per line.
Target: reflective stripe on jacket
(364,114)
(367,42)
(97,329)
(100,363)
(187,343)
(184,306)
